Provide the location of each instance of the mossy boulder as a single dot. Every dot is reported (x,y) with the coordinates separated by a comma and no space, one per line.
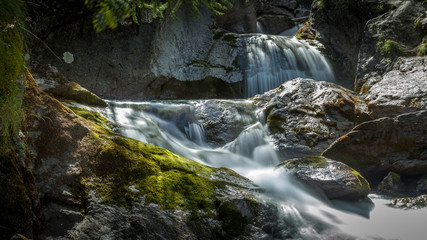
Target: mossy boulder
(11,59)
(89,177)
(53,82)
(330,178)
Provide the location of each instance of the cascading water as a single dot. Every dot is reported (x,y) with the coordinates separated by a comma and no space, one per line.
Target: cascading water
(175,126)
(273,60)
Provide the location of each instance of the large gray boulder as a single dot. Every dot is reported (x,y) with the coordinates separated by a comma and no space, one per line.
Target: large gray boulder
(332,179)
(305,116)
(401,90)
(387,144)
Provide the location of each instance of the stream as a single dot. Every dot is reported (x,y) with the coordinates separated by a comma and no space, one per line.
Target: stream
(180,127)
(175,125)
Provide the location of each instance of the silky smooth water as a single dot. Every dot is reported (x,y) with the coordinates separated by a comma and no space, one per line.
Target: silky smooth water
(272,60)
(176,127)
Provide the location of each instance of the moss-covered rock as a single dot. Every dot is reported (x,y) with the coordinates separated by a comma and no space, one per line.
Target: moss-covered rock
(334,179)
(86,174)
(11,60)
(53,82)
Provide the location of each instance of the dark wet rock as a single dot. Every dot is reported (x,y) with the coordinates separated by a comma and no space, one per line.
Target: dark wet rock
(275,24)
(51,81)
(19,203)
(330,178)
(305,116)
(397,32)
(224,120)
(401,90)
(387,144)
(390,185)
(365,37)
(240,19)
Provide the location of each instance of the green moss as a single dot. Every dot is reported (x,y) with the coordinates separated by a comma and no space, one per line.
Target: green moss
(421,50)
(10,114)
(229,37)
(332,4)
(10,55)
(365,188)
(127,169)
(274,123)
(11,65)
(83,96)
(388,47)
(94,117)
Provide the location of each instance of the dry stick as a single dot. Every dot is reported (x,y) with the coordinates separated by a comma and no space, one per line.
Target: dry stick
(32,34)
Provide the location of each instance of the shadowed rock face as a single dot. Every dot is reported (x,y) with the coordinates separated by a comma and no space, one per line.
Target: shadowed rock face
(330,178)
(305,116)
(387,144)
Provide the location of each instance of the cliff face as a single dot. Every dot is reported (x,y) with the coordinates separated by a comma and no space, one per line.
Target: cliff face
(165,59)
(366,38)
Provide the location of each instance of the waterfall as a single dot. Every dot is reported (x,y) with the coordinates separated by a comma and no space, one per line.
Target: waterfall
(273,60)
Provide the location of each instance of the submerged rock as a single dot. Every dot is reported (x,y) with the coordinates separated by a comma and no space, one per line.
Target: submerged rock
(387,144)
(331,178)
(224,120)
(305,116)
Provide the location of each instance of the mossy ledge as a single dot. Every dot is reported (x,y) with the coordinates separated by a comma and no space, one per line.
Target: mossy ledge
(126,171)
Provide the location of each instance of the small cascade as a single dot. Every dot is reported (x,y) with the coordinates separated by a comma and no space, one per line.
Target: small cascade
(273,60)
(259,27)
(247,141)
(196,133)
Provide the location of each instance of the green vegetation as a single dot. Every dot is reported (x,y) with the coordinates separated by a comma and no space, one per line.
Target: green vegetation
(389,47)
(109,13)
(11,65)
(274,123)
(422,48)
(127,170)
(333,4)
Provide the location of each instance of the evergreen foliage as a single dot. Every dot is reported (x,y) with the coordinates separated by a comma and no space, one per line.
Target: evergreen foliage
(109,13)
